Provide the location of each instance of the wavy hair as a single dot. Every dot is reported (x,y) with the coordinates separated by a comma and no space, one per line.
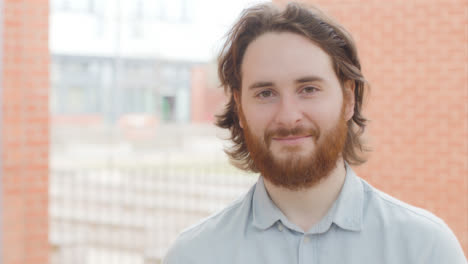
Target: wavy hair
(312,24)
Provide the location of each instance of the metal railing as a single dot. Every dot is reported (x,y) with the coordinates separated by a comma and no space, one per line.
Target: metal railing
(132,212)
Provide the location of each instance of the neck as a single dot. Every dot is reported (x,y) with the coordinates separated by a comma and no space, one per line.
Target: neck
(307,207)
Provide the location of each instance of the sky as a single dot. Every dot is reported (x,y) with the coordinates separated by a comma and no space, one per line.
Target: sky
(115,33)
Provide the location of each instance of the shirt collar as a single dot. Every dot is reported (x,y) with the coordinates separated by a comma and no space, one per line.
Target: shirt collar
(265,212)
(346,212)
(350,203)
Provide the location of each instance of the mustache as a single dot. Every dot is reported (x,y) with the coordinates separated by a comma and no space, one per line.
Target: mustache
(296,131)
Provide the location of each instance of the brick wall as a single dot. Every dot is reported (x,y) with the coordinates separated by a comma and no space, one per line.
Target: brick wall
(207,99)
(25,132)
(415,55)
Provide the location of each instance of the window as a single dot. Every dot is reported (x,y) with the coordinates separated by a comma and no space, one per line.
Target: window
(168,108)
(86,6)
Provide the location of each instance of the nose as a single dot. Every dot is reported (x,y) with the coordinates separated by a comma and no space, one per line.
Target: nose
(289,113)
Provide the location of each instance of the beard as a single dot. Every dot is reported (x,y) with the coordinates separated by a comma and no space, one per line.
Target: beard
(297,171)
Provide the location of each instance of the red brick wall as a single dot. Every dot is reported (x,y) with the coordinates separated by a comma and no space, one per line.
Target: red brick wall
(198,87)
(207,99)
(25,131)
(415,55)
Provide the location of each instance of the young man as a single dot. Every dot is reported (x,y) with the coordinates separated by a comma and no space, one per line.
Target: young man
(295,117)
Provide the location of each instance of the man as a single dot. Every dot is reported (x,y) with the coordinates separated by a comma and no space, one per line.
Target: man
(296,90)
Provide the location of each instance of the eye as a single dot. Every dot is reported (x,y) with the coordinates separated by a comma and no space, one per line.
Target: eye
(309,89)
(265,94)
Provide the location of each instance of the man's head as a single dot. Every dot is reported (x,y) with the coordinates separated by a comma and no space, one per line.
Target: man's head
(296,94)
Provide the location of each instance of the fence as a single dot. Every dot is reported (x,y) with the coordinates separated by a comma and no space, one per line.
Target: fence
(131,211)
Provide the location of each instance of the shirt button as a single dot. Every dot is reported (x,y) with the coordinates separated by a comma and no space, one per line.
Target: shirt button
(306,239)
(280,227)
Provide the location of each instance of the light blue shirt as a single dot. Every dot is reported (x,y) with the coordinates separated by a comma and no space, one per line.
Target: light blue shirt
(364,225)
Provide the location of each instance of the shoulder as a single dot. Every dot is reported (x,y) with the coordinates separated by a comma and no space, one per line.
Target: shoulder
(414,227)
(400,211)
(202,239)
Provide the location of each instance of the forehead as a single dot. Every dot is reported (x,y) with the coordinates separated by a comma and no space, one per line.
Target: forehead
(282,57)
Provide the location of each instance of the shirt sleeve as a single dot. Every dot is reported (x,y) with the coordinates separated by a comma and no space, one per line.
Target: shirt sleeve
(181,252)
(170,259)
(446,248)
(172,256)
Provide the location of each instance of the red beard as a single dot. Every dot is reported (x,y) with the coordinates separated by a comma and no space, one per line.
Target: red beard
(297,171)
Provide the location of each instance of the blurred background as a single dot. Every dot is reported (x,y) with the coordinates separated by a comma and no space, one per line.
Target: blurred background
(108,148)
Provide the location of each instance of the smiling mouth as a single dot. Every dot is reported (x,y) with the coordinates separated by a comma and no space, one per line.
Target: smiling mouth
(291,140)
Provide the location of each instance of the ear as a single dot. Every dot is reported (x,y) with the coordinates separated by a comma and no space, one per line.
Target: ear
(349,99)
(237,100)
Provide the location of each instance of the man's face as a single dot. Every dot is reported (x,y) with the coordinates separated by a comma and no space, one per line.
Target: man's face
(291,110)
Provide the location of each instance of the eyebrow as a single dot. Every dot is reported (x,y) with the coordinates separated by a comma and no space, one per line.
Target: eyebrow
(309,79)
(260,85)
(298,81)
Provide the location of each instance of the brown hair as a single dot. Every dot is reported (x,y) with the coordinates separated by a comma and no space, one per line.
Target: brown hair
(312,24)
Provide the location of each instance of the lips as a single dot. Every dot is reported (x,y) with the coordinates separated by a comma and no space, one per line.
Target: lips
(294,136)
(291,139)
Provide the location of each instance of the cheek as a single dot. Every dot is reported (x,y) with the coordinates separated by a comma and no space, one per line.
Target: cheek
(257,120)
(257,125)
(324,115)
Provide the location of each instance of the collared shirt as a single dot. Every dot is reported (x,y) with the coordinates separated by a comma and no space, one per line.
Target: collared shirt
(363,225)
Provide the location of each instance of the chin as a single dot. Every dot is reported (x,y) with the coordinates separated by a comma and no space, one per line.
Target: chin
(288,152)
(292,156)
